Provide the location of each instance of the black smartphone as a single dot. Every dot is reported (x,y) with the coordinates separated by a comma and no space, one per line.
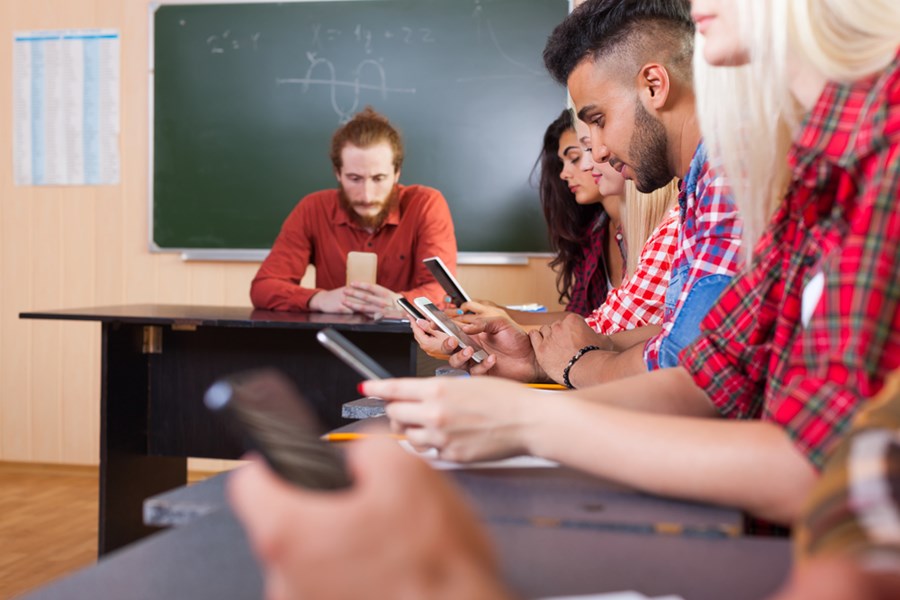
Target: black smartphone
(446,324)
(443,275)
(350,353)
(410,309)
(265,408)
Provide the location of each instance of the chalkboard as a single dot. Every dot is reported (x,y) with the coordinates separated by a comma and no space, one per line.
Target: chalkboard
(247,96)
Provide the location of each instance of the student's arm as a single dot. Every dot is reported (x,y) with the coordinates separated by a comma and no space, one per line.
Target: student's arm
(277,283)
(435,238)
(681,451)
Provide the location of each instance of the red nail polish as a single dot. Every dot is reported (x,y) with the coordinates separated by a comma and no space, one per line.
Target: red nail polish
(359,387)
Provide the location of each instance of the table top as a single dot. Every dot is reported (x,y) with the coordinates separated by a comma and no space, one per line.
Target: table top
(220,316)
(210,558)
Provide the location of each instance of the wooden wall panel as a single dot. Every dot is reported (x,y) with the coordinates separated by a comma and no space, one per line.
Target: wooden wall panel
(78,246)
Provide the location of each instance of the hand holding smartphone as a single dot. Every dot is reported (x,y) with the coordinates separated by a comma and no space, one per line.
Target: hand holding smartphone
(274,420)
(446,324)
(408,307)
(443,276)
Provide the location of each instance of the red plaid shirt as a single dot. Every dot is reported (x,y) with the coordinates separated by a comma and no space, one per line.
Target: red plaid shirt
(641,299)
(838,232)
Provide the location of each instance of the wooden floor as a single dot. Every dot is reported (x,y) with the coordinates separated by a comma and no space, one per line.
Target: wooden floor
(48,524)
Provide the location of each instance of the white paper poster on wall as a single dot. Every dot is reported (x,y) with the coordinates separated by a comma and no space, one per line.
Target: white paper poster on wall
(66,107)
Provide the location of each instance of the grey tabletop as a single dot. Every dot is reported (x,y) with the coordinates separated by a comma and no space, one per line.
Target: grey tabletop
(210,558)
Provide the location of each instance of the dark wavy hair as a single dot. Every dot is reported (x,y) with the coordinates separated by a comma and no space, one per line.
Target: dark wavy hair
(567,220)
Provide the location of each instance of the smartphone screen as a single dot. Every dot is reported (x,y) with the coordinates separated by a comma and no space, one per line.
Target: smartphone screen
(411,310)
(443,276)
(447,325)
(350,353)
(265,408)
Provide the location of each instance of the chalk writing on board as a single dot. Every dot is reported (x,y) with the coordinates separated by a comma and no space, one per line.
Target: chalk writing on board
(224,42)
(366,37)
(356,85)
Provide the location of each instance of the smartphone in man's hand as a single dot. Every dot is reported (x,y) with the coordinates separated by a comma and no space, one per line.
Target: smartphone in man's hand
(447,325)
(265,408)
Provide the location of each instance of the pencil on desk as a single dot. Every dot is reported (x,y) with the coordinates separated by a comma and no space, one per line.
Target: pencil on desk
(350,436)
(546,386)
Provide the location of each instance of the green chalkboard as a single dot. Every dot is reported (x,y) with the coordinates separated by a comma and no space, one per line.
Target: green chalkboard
(247,96)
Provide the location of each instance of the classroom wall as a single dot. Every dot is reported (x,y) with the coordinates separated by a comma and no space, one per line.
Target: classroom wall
(64,247)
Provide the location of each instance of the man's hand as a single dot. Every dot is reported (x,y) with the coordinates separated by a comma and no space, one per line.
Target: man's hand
(370,298)
(331,301)
(508,347)
(433,341)
(402,527)
(555,344)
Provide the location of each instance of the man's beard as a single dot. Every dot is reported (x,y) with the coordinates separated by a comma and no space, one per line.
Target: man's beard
(649,147)
(367,222)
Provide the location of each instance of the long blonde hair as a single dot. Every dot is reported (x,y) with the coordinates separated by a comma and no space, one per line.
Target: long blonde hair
(749,115)
(641,214)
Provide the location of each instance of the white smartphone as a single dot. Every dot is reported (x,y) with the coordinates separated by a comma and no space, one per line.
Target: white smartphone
(350,353)
(443,275)
(446,324)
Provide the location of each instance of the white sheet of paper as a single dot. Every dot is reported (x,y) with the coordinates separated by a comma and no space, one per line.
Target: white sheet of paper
(516,462)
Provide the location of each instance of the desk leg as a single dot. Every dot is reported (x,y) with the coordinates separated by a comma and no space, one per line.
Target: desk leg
(128,474)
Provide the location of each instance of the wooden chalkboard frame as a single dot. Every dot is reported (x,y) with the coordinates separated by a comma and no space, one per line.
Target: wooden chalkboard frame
(257,255)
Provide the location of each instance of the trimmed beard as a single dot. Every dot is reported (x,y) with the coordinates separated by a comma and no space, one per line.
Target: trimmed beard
(649,146)
(375,221)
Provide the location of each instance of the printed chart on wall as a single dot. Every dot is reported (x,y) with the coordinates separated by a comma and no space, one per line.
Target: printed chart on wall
(66,107)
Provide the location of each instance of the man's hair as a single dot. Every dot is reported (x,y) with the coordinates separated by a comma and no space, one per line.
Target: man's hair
(368,128)
(635,31)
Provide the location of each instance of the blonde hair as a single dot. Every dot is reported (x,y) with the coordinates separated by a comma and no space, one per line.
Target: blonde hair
(748,114)
(641,214)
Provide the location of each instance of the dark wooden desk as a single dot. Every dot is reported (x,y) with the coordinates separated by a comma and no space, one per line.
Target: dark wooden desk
(157,361)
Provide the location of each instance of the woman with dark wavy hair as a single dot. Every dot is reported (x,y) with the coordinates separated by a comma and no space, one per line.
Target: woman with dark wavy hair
(583,225)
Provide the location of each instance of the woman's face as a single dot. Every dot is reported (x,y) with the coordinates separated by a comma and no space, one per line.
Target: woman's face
(608,181)
(580,182)
(717,22)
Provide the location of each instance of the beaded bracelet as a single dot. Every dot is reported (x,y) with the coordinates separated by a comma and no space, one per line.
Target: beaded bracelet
(574,360)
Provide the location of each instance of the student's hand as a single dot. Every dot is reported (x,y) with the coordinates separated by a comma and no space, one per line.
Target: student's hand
(432,340)
(509,351)
(331,301)
(466,419)
(480,309)
(555,344)
(371,299)
(401,529)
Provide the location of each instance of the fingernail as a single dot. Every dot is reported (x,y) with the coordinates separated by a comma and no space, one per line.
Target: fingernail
(359,387)
(459,311)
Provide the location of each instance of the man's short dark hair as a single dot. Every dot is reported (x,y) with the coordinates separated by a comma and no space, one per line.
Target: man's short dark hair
(638,31)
